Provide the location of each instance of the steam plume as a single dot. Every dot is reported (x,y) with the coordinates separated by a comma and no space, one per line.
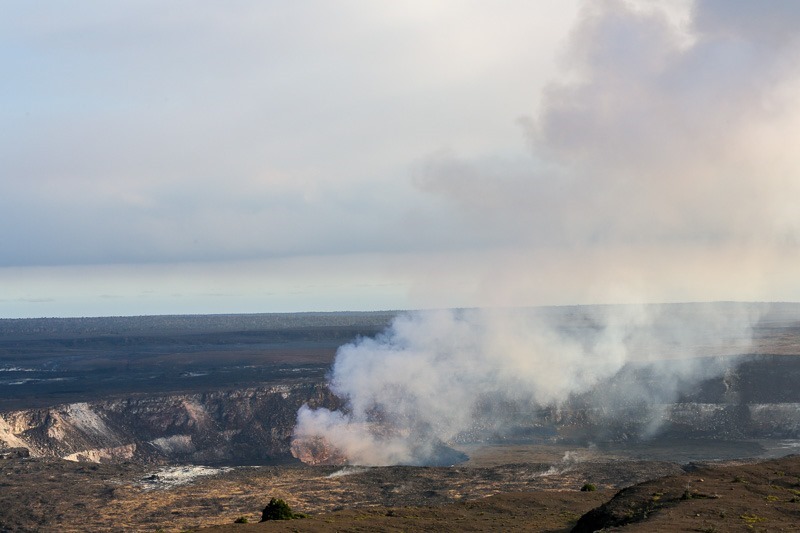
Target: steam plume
(434,378)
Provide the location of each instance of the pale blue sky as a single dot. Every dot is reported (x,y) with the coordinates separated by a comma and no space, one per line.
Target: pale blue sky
(198,157)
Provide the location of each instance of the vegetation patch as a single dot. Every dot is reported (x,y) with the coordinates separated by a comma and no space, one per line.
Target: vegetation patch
(278,509)
(750,518)
(569,516)
(694,495)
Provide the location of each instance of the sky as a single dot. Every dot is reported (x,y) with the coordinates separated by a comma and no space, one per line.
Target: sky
(206,157)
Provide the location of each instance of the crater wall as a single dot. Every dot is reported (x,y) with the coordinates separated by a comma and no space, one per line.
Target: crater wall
(247,426)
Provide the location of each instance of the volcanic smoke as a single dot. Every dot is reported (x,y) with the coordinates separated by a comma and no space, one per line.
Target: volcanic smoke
(433,379)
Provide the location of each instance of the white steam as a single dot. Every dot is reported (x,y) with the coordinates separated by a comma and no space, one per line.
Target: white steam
(434,377)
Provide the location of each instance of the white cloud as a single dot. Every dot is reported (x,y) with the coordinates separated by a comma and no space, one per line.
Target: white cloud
(143,132)
(654,145)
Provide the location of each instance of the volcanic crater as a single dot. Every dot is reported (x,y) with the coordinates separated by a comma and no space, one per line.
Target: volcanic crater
(179,423)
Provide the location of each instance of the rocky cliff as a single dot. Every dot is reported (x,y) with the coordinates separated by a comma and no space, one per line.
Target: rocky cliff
(247,426)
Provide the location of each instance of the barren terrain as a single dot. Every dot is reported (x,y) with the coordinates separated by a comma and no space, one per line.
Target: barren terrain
(57,495)
(162,414)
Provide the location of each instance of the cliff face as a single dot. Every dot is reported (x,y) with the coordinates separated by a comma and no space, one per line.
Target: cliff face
(248,426)
(254,425)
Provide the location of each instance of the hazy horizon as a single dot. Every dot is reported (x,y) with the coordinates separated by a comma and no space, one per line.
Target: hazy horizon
(769,307)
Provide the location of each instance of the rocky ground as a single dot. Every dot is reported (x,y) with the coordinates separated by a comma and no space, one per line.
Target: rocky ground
(540,493)
(762,496)
(41,494)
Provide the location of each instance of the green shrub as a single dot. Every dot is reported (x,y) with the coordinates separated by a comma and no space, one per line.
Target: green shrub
(241,520)
(278,509)
(588,487)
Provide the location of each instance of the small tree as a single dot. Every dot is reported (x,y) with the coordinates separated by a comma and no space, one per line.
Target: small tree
(278,509)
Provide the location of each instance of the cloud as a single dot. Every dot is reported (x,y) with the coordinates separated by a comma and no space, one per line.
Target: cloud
(649,139)
(194,132)
(668,134)
(774,25)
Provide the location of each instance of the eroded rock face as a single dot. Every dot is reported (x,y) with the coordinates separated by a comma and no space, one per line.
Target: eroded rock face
(249,426)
